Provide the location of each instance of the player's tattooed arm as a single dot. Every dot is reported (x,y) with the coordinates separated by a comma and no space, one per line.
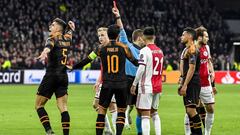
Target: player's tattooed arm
(211,70)
(192,65)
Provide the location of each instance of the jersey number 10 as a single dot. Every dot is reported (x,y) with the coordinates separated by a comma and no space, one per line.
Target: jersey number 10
(113,64)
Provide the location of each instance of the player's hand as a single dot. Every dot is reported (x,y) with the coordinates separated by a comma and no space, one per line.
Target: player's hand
(71,25)
(69,67)
(214,90)
(180,80)
(133,90)
(42,57)
(116,12)
(182,91)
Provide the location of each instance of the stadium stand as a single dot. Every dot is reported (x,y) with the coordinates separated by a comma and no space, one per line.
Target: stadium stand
(24,27)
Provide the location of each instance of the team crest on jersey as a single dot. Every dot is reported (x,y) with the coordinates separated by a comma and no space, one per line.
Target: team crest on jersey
(205,53)
(141,57)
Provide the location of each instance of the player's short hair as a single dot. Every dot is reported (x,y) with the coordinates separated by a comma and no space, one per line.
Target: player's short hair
(61,23)
(191,31)
(149,33)
(113,31)
(137,33)
(199,31)
(102,29)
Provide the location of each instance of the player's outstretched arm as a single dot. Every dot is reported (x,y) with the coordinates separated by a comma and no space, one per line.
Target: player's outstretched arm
(85,61)
(82,63)
(44,54)
(48,47)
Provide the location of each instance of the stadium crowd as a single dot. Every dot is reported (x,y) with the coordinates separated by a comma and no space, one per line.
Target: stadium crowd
(24,27)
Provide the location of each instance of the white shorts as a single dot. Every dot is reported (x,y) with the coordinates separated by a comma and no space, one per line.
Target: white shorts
(206,95)
(98,94)
(148,100)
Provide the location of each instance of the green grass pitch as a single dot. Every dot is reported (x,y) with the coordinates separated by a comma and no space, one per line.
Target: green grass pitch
(18,116)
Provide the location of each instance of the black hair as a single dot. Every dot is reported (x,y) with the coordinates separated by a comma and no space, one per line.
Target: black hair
(113,31)
(190,31)
(149,31)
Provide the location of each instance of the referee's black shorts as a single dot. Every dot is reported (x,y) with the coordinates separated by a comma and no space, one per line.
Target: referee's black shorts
(53,83)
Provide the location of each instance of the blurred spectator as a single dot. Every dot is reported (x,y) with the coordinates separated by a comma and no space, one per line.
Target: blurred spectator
(168,66)
(24,26)
(236,66)
(6,64)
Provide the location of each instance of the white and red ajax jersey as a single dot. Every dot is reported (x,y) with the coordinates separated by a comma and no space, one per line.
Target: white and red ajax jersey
(204,69)
(151,57)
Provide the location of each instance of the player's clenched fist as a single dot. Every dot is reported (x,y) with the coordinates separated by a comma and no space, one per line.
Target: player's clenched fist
(71,25)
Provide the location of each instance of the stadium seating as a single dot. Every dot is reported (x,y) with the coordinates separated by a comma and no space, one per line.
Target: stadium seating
(24,26)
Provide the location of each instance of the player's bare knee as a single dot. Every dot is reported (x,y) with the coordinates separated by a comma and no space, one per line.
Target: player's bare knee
(121,109)
(153,111)
(112,107)
(94,106)
(40,102)
(145,113)
(62,107)
(37,106)
(191,111)
(102,110)
(210,108)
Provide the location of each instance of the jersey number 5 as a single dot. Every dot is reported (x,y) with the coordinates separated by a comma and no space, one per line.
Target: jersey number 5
(113,63)
(64,60)
(157,70)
